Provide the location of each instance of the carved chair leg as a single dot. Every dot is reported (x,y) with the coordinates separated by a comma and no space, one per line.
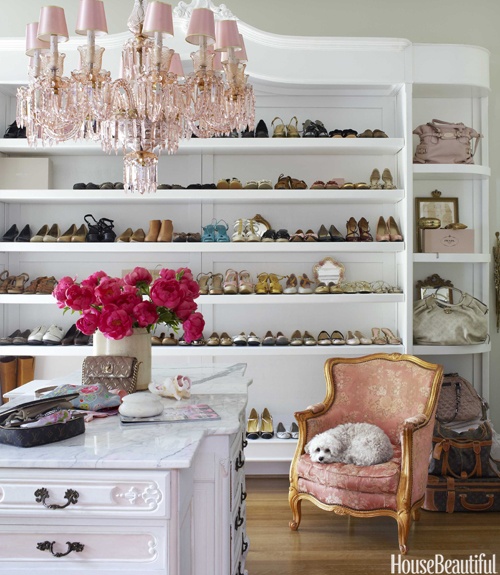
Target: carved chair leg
(404,521)
(295,505)
(415,514)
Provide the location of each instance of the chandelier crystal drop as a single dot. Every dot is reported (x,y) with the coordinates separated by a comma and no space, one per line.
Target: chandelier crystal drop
(154,105)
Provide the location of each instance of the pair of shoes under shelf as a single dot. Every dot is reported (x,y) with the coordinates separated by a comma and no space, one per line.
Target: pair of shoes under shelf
(291,433)
(260,427)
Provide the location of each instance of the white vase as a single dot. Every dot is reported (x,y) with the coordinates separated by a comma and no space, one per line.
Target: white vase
(136,345)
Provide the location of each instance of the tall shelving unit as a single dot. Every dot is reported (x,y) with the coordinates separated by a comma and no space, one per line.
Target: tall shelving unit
(346,83)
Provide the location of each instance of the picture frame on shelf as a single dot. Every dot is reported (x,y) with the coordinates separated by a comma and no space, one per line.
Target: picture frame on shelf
(329,270)
(435,285)
(435,208)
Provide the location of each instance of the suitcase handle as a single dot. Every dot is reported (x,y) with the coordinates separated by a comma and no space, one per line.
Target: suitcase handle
(476,506)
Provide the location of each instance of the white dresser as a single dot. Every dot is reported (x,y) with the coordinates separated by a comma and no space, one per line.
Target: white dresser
(149,498)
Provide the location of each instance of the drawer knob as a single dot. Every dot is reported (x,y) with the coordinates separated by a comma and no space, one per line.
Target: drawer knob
(244,544)
(243,496)
(238,522)
(42,494)
(240,461)
(49,546)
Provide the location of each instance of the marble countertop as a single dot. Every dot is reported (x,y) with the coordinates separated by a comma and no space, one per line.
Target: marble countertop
(108,444)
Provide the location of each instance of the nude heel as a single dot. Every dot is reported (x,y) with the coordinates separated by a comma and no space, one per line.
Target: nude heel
(391,338)
(383,233)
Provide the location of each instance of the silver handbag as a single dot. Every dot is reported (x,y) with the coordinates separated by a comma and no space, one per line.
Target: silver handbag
(437,322)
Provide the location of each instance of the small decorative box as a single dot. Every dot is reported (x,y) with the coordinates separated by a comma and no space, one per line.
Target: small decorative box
(448,241)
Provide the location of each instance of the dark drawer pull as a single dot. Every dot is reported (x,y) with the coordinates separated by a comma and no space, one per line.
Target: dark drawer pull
(240,572)
(240,461)
(244,544)
(49,546)
(244,442)
(243,496)
(42,494)
(238,522)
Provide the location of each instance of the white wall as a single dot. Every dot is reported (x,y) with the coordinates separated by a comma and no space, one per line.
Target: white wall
(445,21)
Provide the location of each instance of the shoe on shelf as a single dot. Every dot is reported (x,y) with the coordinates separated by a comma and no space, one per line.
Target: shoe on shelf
(279,131)
(283,183)
(203,280)
(214,339)
(324,338)
(69,336)
(251,185)
(269,236)
(281,339)
(154,230)
(138,236)
(216,285)
(170,340)
(239,231)
(323,235)
(387,179)
(383,233)
(335,235)
(22,338)
(281,432)
(225,339)
(265,185)
(364,231)
(282,235)
(394,233)
(262,285)
(166,231)
(223,184)
(31,289)
(352,234)
(379,134)
(80,235)
(337,338)
(53,234)
(309,129)
(296,338)
(292,128)
(46,285)
(310,236)
(11,234)
(24,235)
(378,338)
(253,425)
(36,336)
(253,339)
(53,335)
(240,339)
(266,425)
(17,283)
(352,339)
(9,339)
(294,430)
(252,232)
(245,285)
(269,339)
(375,180)
(363,340)
(305,284)
(349,133)
(308,339)
(208,234)
(391,338)
(291,284)
(261,130)
(125,236)
(155,339)
(335,133)
(274,284)
(235,184)
(82,338)
(231,282)
(322,288)
(366,134)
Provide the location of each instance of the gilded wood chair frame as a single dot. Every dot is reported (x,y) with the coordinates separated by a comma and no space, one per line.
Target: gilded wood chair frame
(405,509)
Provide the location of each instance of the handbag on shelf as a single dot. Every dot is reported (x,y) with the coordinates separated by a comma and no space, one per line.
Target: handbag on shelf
(438,322)
(115,372)
(445,143)
(459,401)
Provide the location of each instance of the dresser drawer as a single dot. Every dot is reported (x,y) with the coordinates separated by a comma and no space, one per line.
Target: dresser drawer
(89,493)
(132,548)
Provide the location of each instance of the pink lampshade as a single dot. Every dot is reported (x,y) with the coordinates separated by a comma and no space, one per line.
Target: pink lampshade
(176,65)
(158,19)
(91,16)
(52,23)
(32,41)
(227,36)
(201,25)
(242,54)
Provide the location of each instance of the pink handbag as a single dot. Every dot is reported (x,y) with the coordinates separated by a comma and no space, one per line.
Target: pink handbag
(445,143)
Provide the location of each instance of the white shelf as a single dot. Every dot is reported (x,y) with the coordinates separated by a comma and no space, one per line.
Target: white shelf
(202,196)
(228,146)
(451,349)
(440,258)
(262,450)
(203,247)
(450,172)
(210,351)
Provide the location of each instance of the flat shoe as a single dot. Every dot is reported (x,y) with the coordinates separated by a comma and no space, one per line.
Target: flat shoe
(36,336)
(269,339)
(282,339)
(324,338)
(282,433)
(22,338)
(225,339)
(308,339)
(53,335)
(253,339)
(9,339)
(296,338)
(337,338)
(240,339)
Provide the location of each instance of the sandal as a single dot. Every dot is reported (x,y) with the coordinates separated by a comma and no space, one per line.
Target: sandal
(231,282)
(310,236)
(297,184)
(239,231)
(321,131)
(352,234)
(387,179)
(252,231)
(46,285)
(4,281)
(305,284)
(363,287)
(275,287)
(216,285)
(106,232)
(262,286)
(364,231)
(93,234)
(16,284)
(291,130)
(208,233)
(291,284)
(245,285)
(377,338)
(391,338)
(31,289)
(318,185)
(221,231)
(203,280)
(282,236)
(279,130)
(283,183)
(375,180)
(309,129)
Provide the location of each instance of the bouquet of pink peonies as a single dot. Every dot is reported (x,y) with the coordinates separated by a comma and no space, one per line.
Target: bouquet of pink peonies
(114,306)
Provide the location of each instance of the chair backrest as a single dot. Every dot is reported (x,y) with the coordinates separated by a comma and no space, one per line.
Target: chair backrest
(383,389)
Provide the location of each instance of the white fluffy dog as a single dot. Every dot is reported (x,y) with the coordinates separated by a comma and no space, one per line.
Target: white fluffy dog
(358,443)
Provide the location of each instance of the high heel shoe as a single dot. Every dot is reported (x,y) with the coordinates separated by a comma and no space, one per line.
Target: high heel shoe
(231,282)
(394,232)
(17,283)
(221,228)
(239,231)
(391,338)
(352,234)
(364,231)
(253,425)
(245,285)
(378,338)
(335,235)
(375,180)
(305,284)
(291,284)
(266,425)
(274,284)
(383,234)
(291,130)
(262,286)
(387,179)
(11,234)
(209,232)
(203,280)
(280,130)
(216,287)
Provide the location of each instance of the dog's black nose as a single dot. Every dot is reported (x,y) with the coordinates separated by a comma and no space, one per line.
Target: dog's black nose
(320,458)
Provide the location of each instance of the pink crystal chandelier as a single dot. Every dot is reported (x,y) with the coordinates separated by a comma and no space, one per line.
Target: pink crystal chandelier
(154,105)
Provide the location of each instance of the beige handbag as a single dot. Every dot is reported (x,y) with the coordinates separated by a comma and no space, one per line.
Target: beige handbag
(437,322)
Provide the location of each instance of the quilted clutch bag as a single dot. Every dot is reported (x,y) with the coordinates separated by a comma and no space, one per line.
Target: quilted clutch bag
(115,372)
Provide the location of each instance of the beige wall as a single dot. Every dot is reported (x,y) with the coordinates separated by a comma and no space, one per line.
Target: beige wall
(441,21)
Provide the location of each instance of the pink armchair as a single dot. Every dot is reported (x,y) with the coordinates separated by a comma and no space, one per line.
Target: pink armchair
(399,394)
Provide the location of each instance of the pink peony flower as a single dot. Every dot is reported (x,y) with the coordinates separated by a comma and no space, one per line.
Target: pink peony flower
(79,298)
(89,321)
(166,293)
(94,279)
(128,300)
(186,275)
(190,289)
(185,309)
(138,275)
(193,327)
(114,322)
(167,274)
(145,313)
(109,290)
(59,291)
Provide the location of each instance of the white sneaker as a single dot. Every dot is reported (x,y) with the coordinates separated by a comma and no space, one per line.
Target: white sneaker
(36,336)
(53,335)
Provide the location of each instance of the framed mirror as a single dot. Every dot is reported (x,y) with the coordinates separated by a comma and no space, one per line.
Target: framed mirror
(435,285)
(437,208)
(329,270)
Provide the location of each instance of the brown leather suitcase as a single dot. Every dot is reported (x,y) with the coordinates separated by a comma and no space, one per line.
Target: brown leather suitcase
(449,495)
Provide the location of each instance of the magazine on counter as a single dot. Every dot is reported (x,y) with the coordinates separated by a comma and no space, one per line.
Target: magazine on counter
(193,412)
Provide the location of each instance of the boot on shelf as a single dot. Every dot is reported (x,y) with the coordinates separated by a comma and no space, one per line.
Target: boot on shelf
(25,369)
(154,230)
(8,375)
(166,230)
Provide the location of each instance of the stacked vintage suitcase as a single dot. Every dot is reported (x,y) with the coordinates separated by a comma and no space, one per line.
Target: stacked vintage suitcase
(463,476)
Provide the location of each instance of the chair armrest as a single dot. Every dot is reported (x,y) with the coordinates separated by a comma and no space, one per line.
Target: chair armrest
(316,408)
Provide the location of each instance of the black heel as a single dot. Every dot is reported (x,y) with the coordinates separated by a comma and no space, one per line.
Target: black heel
(106,230)
(94,234)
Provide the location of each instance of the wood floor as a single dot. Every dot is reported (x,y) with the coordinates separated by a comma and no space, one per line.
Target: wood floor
(327,543)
